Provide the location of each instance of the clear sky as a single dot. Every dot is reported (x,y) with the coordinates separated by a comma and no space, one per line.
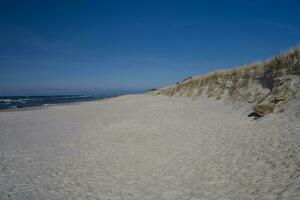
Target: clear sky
(84,46)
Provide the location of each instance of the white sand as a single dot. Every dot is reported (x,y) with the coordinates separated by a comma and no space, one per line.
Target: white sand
(145,147)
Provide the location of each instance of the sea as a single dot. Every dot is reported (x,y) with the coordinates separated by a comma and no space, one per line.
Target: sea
(19,102)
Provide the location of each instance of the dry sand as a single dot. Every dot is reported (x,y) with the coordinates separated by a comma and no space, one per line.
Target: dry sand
(145,147)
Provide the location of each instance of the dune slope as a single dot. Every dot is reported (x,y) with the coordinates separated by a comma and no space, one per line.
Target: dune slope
(258,83)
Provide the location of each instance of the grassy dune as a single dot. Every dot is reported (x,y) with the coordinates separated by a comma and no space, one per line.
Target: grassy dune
(256,83)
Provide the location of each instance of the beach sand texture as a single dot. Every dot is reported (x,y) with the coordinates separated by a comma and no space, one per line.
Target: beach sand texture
(149,147)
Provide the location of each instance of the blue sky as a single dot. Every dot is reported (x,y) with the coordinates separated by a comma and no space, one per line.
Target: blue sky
(85,46)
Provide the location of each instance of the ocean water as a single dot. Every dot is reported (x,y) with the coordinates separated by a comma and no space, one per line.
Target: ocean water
(14,102)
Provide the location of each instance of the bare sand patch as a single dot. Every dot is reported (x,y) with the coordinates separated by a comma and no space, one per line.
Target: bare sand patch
(148,147)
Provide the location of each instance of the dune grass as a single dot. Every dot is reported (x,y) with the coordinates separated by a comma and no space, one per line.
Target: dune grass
(271,77)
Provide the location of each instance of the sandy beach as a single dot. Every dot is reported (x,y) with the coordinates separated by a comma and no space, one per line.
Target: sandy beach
(148,147)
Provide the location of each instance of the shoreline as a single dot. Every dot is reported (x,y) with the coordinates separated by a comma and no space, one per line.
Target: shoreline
(51,105)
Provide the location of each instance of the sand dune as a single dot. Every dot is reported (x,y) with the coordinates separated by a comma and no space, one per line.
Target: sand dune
(149,147)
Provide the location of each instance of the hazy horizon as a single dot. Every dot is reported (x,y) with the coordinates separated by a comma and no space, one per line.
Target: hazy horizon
(70,91)
(65,47)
